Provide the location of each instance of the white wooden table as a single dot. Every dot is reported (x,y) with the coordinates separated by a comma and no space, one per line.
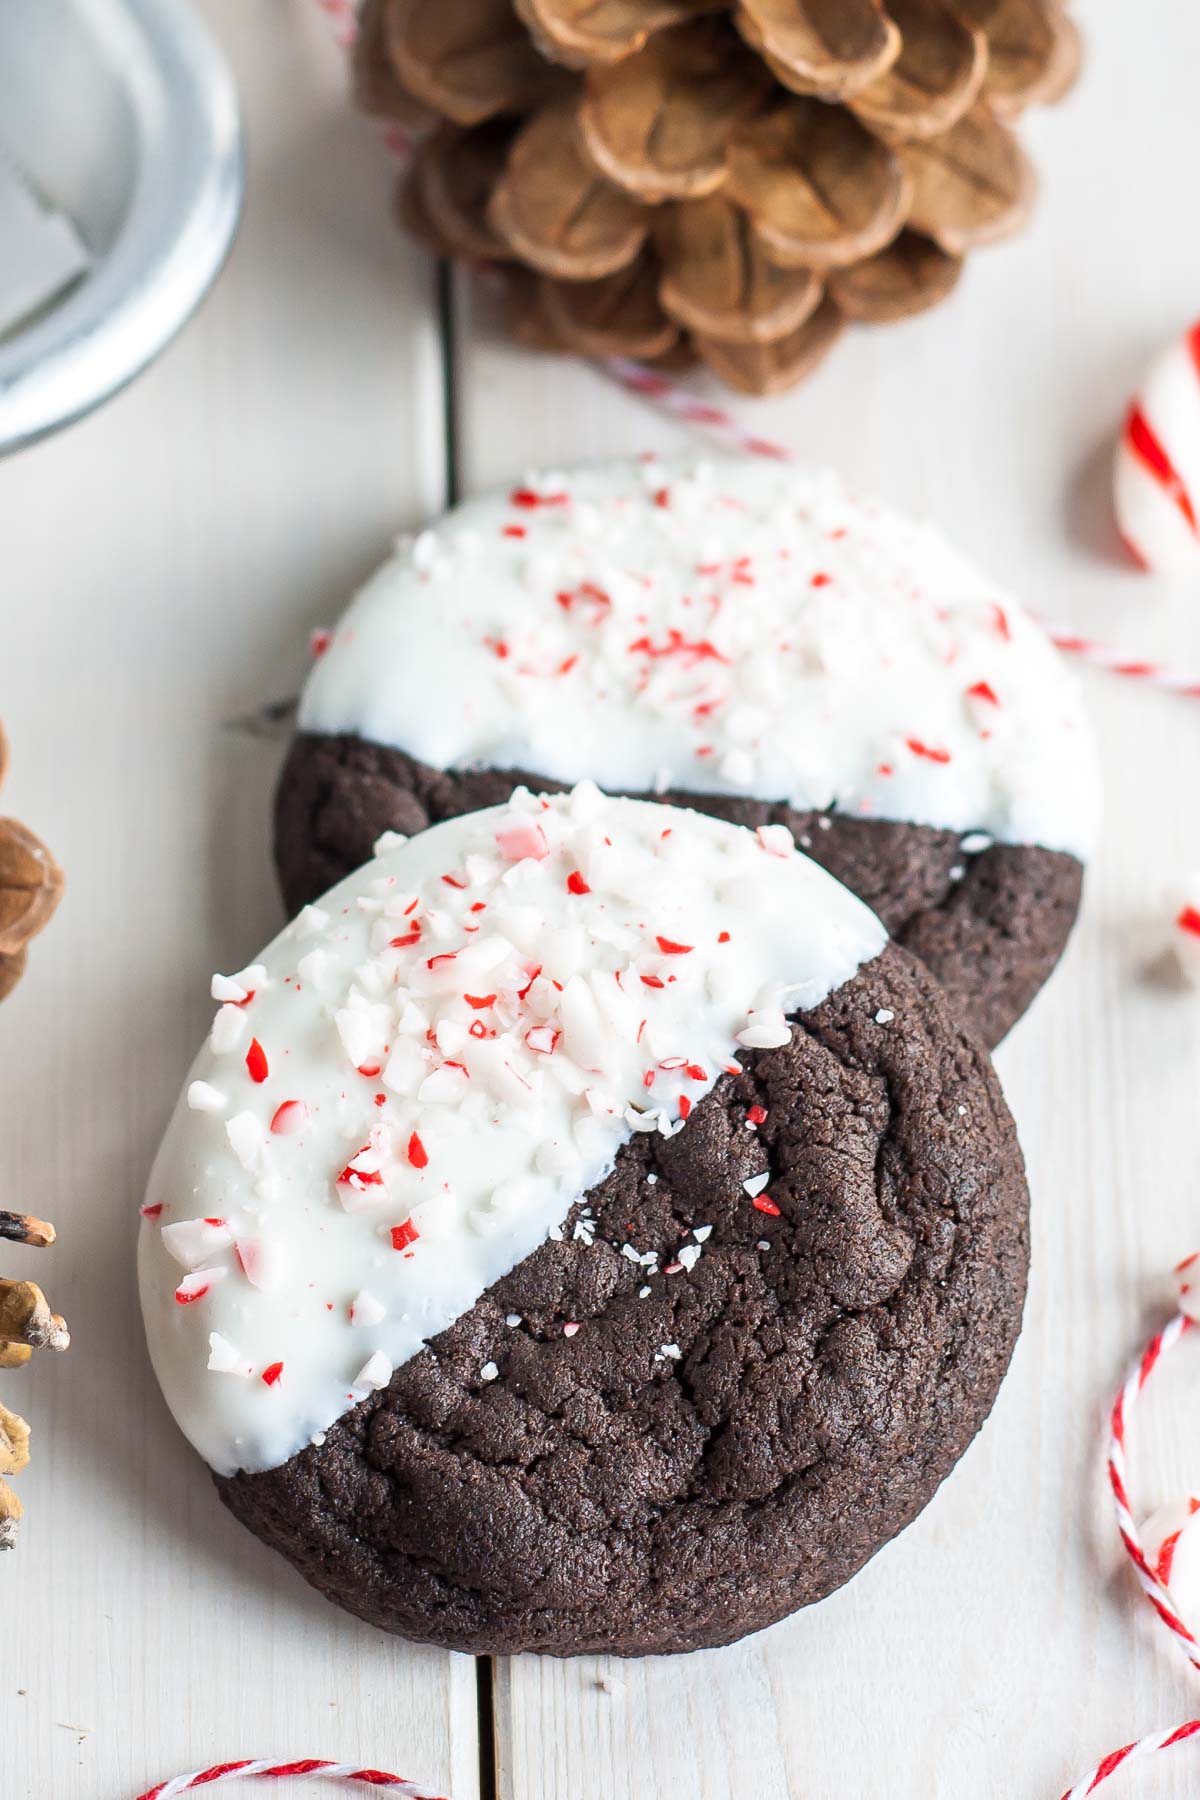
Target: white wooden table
(164,563)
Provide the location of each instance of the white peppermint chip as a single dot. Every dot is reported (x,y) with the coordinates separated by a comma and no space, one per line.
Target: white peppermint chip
(754,1186)
(974,842)
(668,1353)
(884,1016)
(312,967)
(192,1241)
(489,1371)
(702,1233)
(247,1139)
(227,987)
(361,1038)
(228,1030)
(388,840)
(777,840)
(311,921)
(203,1097)
(765,1030)
(365,1309)
(223,1359)
(689,1255)
(375,1373)
(445,1087)
(512,1319)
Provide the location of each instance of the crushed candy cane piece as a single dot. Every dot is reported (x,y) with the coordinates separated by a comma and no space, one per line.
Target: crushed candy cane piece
(223,1359)
(203,1097)
(765,1029)
(366,1310)
(200,1282)
(192,1241)
(228,1029)
(289,1118)
(375,1373)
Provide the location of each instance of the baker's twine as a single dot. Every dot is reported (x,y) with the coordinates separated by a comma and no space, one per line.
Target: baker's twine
(264,1769)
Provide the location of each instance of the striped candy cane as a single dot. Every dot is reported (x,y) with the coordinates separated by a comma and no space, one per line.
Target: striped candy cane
(266,1770)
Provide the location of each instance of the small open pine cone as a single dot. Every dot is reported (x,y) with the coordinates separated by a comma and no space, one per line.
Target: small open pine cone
(30,888)
(669,179)
(26,1325)
(31,885)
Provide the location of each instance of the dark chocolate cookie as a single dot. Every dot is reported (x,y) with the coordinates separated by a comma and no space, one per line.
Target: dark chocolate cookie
(816,1373)
(990,923)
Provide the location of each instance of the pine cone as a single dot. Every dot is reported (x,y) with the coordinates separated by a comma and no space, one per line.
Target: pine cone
(30,888)
(683,178)
(26,1325)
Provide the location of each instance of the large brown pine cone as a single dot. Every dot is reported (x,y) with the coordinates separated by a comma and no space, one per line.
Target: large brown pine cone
(669,179)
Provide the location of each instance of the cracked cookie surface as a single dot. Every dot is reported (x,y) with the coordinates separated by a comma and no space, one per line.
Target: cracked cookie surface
(712,1448)
(991,926)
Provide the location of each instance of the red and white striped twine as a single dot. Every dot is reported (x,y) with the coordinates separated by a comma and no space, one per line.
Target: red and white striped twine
(266,1770)
(1116,1759)
(1151,1584)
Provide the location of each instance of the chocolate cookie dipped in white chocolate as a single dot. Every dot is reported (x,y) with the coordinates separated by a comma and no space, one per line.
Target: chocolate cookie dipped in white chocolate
(408,1092)
(721,628)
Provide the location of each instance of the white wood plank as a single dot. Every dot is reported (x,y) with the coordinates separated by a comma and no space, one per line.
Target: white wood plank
(999,1648)
(164,562)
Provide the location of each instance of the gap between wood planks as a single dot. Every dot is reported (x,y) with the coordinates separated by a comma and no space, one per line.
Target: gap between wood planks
(485,1668)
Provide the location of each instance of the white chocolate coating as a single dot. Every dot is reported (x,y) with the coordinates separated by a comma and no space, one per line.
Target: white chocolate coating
(408,1093)
(727,627)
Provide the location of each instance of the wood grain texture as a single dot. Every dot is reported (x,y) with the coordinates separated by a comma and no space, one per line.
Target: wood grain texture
(999,1647)
(164,562)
